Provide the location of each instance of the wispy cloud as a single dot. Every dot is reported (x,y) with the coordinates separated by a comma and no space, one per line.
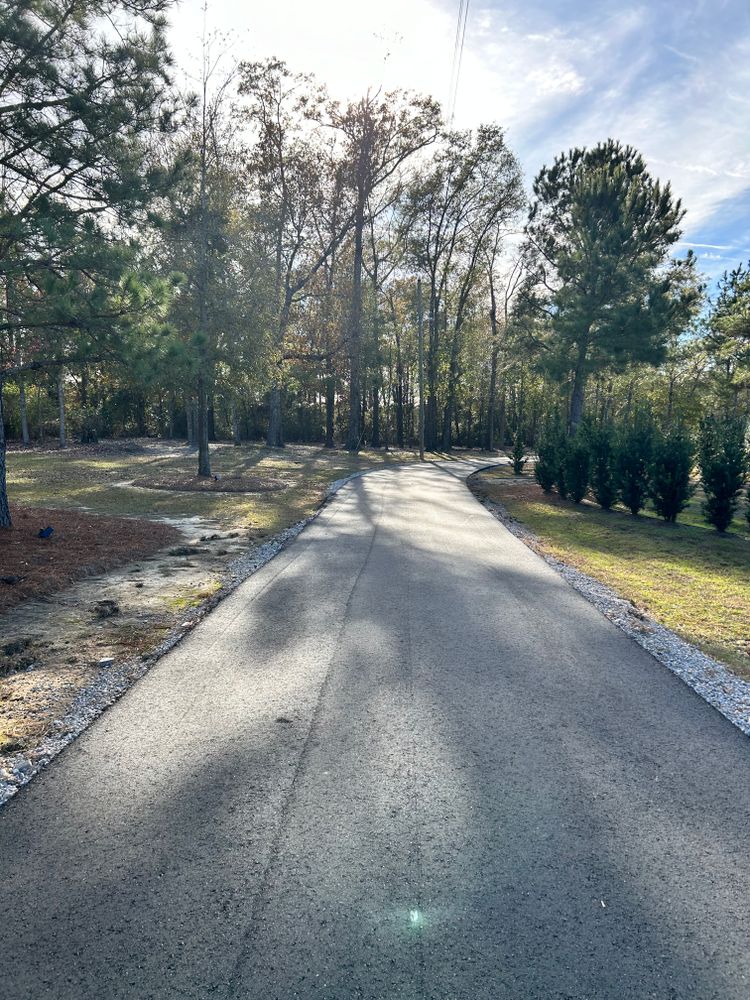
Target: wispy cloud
(682,55)
(671,79)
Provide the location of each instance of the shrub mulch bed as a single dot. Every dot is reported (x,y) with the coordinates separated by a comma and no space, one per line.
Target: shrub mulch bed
(80,545)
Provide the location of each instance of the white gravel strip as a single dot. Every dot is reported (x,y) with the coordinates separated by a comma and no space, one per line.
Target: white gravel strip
(710,679)
(114,681)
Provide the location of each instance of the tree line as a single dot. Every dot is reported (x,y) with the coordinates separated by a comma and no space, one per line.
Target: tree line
(242,261)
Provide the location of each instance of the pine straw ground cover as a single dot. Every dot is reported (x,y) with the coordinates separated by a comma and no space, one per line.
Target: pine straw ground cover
(686,576)
(79,546)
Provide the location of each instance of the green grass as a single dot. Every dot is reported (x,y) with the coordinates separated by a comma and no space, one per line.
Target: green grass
(686,576)
(83,478)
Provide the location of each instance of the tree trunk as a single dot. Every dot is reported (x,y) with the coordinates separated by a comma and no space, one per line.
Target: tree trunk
(170,415)
(234,420)
(450,405)
(501,415)
(375,416)
(399,394)
(23,412)
(39,413)
(204,458)
(330,405)
(190,422)
(61,408)
(489,440)
(5,521)
(431,407)
(275,438)
(353,433)
(211,419)
(140,414)
(579,388)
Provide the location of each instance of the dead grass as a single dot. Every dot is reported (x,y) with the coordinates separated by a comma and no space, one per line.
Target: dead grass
(80,546)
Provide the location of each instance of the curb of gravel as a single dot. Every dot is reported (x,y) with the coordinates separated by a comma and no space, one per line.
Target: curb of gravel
(92,700)
(710,679)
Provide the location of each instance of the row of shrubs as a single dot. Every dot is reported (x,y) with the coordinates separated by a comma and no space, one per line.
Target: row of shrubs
(636,462)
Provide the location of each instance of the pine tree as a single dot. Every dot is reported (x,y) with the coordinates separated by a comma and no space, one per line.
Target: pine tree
(600,232)
(723,461)
(603,473)
(633,461)
(577,467)
(76,102)
(545,467)
(669,474)
(518,455)
(729,334)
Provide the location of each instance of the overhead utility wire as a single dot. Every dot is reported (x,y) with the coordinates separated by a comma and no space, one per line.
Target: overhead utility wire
(458,51)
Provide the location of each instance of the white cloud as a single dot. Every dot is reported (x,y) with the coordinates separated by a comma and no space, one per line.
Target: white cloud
(552,84)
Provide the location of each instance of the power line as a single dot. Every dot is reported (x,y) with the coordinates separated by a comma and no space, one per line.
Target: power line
(458,51)
(456,45)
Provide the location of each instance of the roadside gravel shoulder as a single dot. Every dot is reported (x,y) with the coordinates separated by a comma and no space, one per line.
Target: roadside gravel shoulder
(710,679)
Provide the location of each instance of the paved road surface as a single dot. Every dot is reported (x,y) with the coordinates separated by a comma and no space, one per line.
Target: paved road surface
(404,761)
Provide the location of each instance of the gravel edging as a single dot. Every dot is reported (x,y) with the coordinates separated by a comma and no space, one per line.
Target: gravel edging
(114,681)
(729,694)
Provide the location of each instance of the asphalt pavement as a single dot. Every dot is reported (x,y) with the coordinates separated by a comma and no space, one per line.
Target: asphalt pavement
(403,761)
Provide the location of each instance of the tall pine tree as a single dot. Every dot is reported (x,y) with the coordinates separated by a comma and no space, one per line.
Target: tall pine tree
(82,84)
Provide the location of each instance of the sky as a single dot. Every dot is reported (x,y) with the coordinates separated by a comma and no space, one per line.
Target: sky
(670,77)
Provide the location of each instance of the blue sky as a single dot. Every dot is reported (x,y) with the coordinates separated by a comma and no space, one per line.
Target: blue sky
(671,78)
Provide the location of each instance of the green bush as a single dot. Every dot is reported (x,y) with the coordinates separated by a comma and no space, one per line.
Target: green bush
(90,427)
(634,451)
(577,467)
(669,475)
(602,457)
(545,469)
(518,455)
(723,461)
(559,439)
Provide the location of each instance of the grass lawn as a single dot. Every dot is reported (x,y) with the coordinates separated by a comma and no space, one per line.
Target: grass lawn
(686,576)
(286,485)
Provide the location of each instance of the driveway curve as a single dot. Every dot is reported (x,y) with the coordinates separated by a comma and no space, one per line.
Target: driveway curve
(403,760)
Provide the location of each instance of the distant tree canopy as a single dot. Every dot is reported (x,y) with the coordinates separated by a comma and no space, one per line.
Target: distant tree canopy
(242,263)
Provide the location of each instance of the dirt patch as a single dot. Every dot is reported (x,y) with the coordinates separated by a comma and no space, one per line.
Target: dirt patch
(497,486)
(212,484)
(78,546)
